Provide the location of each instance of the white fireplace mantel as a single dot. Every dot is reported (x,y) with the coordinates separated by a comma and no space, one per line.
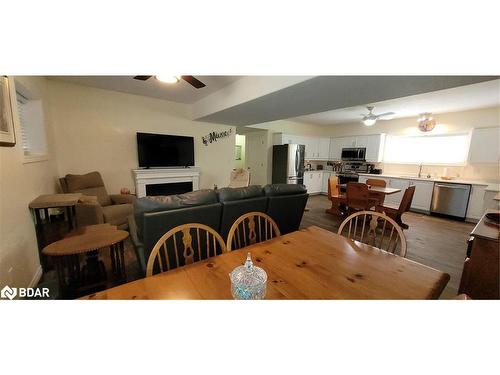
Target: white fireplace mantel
(143,177)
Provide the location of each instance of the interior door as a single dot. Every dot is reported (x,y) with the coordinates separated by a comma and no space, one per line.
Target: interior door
(256,157)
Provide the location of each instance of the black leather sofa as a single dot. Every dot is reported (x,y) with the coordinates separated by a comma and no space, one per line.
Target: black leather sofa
(218,209)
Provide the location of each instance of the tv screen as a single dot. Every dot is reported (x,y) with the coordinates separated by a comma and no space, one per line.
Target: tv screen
(160,150)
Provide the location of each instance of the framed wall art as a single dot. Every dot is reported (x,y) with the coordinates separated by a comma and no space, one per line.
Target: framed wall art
(7,135)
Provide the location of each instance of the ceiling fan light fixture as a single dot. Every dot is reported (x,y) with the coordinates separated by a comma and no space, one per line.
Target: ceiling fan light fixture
(167,78)
(369,121)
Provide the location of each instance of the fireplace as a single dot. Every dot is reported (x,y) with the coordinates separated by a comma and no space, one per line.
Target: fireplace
(169,188)
(165,181)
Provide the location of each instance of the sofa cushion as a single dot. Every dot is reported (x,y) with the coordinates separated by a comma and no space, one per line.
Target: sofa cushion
(170,202)
(117,214)
(198,198)
(234,194)
(88,184)
(284,189)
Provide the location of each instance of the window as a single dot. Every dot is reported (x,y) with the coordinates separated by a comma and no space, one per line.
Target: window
(431,149)
(33,139)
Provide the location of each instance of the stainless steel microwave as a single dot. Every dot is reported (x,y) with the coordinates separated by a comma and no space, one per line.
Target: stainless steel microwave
(354,154)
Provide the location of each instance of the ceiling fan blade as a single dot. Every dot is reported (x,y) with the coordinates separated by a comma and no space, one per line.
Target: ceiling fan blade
(193,82)
(142,78)
(386,114)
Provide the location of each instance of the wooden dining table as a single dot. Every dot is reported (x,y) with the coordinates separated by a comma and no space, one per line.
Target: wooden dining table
(311,263)
(380,189)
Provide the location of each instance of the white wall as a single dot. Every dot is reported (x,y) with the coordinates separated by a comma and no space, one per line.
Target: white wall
(19,184)
(95,130)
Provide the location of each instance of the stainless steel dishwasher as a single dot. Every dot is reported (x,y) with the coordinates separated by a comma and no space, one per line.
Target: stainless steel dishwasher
(450,199)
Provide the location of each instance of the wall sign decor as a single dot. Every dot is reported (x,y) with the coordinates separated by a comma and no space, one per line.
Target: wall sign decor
(215,136)
(7,135)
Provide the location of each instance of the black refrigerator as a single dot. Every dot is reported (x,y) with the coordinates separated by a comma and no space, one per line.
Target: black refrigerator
(288,164)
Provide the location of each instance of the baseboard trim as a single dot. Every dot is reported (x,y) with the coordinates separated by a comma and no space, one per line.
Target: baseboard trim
(36,277)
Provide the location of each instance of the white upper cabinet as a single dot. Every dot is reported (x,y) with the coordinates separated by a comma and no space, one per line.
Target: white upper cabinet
(324,149)
(374,147)
(484,146)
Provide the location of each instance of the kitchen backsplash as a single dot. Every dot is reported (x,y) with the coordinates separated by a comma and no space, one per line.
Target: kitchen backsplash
(481,172)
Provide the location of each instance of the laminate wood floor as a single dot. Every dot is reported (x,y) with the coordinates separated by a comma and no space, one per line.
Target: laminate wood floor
(436,242)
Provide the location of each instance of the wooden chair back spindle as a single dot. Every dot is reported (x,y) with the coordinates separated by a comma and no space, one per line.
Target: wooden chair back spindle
(251,228)
(184,244)
(375,229)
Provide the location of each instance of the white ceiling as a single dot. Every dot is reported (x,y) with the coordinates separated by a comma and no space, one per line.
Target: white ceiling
(479,95)
(181,92)
(327,93)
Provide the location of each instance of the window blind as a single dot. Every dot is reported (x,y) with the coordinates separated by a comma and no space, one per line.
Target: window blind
(21,102)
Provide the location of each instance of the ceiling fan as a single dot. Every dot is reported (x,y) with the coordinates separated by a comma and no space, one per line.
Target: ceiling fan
(196,83)
(371,118)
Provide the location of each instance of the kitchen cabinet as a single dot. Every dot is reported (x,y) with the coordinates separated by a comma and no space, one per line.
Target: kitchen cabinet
(484,145)
(476,202)
(317,148)
(396,183)
(313,181)
(324,148)
(374,145)
(326,176)
(335,148)
(423,195)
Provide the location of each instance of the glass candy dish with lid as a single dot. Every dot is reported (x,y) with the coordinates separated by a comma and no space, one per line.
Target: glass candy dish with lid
(248,281)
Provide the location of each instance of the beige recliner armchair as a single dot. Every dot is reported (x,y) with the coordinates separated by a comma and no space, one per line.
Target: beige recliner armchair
(97,206)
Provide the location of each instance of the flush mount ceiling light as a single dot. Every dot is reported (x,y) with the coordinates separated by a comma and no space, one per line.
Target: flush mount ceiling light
(167,79)
(426,122)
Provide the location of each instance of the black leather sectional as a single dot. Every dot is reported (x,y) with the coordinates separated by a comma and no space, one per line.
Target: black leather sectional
(218,209)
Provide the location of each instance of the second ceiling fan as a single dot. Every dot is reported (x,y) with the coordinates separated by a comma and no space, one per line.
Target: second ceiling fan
(196,83)
(371,118)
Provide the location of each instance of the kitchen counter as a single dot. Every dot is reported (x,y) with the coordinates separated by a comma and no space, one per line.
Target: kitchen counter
(434,179)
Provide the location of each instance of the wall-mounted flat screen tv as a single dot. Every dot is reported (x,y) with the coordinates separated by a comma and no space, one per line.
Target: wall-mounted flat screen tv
(161,150)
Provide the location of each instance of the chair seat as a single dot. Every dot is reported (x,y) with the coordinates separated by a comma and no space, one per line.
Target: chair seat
(117,214)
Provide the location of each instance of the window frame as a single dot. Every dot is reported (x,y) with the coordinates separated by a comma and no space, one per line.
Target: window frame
(463,163)
(27,95)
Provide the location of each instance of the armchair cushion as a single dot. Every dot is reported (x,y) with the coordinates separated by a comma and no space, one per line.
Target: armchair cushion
(89,213)
(117,214)
(88,184)
(122,198)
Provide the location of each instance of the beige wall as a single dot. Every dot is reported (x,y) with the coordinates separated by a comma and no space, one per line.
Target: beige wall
(95,130)
(19,184)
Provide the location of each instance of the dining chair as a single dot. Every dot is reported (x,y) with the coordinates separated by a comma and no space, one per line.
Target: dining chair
(396,213)
(335,196)
(375,229)
(251,228)
(377,182)
(358,197)
(184,244)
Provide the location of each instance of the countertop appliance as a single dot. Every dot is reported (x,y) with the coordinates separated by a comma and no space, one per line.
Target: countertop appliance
(288,164)
(450,199)
(353,154)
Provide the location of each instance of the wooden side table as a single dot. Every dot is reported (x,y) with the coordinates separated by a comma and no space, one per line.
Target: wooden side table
(73,277)
(48,230)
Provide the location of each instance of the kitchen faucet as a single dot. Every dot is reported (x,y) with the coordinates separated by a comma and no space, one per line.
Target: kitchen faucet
(420,170)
